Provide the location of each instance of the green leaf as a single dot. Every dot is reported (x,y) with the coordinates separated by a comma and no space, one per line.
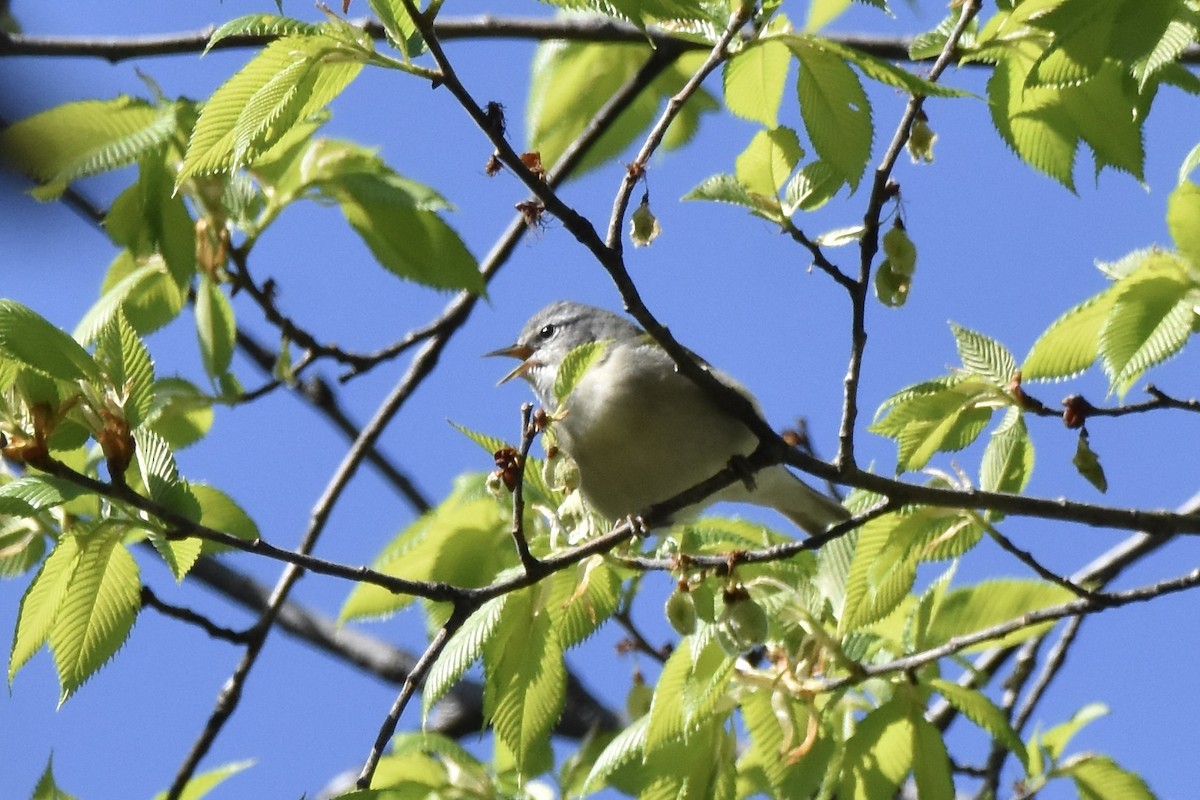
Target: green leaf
(835,109)
(1088,463)
(931,762)
(96,613)
(582,599)
(1150,321)
(984,356)
(1183,219)
(75,140)
(464,649)
(215,327)
(41,602)
(156,463)
(28,338)
(1056,739)
(150,220)
(264,25)
(945,420)
(1100,778)
(1072,342)
(754,80)
(879,576)
(47,787)
(144,290)
(878,755)
(525,681)
(692,682)
(399,25)
(976,706)
(877,69)
(1007,459)
(973,608)
(767,162)
(203,783)
(391,214)
(626,748)
(430,550)
(810,188)
(28,494)
(126,362)
(575,365)
(1032,121)
(289,80)
(726,189)
(571,82)
(181,413)
(770,739)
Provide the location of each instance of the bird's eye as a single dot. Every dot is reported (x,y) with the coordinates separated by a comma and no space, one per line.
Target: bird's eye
(547,331)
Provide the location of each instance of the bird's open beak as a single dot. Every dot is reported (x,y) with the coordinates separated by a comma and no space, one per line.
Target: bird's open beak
(521,351)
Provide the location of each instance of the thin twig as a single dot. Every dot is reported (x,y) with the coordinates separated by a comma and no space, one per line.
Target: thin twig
(151,600)
(869,242)
(414,680)
(528,433)
(1028,559)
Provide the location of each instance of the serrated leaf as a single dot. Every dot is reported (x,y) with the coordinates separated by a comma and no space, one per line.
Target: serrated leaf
(811,187)
(754,80)
(156,463)
(263,25)
(878,755)
(203,783)
(399,25)
(290,79)
(1056,739)
(525,680)
(41,601)
(571,82)
(215,327)
(181,413)
(580,600)
(390,214)
(97,612)
(575,365)
(835,109)
(464,649)
(47,787)
(430,549)
(1031,122)
(1150,321)
(984,356)
(725,188)
(882,570)
(973,608)
(931,762)
(767,162)
(626,747)
(1098,777)
(1072,342)
(28,494)
(877,69)
(946,419)
(1007,459)
(1088,463)
(127,363)
(692,682)
(1183,220)
(75,140)
(489,443)
(976,706)
(28,338)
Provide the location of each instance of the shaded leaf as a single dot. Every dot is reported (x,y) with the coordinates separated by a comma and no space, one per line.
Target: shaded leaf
(30,339)
(1088,463)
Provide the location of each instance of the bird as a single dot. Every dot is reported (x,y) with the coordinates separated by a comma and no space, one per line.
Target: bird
(641,432)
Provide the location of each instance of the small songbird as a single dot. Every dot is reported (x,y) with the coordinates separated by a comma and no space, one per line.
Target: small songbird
(639,431)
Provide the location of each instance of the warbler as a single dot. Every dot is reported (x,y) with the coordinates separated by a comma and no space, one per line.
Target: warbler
(641,432)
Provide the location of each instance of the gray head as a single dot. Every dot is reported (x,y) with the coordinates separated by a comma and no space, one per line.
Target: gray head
(555,331)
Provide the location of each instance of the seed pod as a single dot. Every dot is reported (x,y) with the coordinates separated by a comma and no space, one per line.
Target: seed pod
(745,621)
(681,611)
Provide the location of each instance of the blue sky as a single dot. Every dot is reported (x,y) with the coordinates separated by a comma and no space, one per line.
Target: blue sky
(1003,250)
